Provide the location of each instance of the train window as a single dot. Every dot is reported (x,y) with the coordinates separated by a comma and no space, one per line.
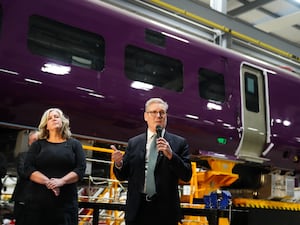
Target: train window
(152,68)
(65,43)
(211,85)
(251,90)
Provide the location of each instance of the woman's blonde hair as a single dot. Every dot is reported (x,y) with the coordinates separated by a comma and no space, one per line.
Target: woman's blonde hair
(65,129)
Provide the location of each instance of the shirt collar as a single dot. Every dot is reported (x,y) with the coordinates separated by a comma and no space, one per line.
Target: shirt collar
(150,133)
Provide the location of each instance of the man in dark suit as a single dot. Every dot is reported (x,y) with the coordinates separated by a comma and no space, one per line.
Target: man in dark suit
(20,190)
(3,170)
(162,207)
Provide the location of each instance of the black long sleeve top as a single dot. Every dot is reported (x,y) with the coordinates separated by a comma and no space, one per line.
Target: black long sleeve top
(55,160)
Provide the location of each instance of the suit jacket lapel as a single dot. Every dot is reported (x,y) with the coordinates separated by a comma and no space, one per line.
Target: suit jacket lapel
(143,143)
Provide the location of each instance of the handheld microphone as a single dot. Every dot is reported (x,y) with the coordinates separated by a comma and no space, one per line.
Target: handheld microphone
(158,135)
(158,131)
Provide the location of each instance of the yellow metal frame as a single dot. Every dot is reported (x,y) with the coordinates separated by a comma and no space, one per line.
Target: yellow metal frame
(113,217)
(204,182)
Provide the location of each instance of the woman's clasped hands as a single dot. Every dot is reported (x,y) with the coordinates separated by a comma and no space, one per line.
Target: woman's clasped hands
(54,184)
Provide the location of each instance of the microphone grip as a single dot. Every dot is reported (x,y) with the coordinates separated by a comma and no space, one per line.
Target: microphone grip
(158,131)
(158,135)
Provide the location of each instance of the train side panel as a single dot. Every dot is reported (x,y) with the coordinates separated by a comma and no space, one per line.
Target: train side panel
(104,50)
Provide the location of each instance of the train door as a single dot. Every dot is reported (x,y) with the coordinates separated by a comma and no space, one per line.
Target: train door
(255,113)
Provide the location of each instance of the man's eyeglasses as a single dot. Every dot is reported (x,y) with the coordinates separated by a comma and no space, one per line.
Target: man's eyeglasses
(160,113)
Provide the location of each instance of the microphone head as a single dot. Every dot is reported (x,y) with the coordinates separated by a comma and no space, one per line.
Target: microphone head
(158,131)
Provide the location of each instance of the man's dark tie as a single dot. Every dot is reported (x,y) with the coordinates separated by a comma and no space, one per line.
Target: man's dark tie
(150,180)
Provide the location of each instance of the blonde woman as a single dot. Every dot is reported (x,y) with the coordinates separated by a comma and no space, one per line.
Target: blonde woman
(54,164)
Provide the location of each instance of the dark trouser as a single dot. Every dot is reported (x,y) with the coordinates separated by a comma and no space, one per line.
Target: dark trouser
(50,216)
(19,213)
(149,215)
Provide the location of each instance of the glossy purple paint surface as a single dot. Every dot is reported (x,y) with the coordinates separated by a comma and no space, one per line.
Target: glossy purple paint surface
(119,115)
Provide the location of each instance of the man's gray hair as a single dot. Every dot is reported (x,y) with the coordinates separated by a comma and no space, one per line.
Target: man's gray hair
(156,100)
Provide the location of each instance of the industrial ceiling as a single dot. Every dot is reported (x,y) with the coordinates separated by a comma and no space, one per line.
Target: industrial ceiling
(280,18)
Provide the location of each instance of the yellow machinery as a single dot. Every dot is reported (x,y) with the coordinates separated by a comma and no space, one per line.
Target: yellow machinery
(203,182)
(219,175)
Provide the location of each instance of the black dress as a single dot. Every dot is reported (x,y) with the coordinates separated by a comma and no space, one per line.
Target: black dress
(21,190)
(54,160)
